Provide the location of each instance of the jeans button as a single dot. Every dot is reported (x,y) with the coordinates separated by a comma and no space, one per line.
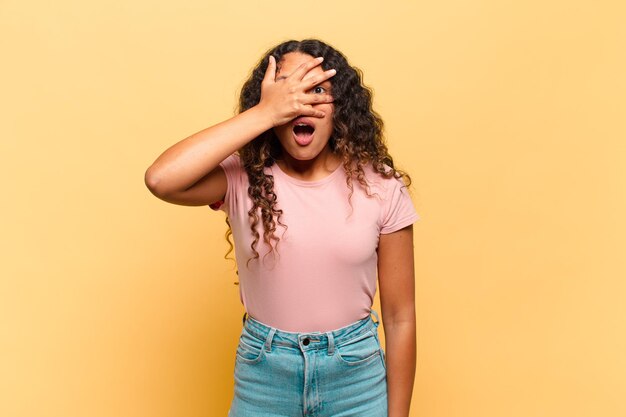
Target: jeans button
(305,341)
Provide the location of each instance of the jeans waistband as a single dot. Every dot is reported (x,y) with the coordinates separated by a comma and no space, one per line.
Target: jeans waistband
(272,336)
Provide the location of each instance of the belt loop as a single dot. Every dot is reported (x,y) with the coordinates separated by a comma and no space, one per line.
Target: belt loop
(331,343)
(268,341)
(377,321)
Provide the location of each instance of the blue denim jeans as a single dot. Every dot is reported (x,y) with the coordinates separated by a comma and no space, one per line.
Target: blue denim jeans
(338,373)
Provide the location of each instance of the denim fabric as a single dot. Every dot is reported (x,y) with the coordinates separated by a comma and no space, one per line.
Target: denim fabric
(338,373)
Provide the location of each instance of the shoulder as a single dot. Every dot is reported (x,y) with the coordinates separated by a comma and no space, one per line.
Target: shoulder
(235,182)
(384,182)
(233,167)
(232,161)
(397,209)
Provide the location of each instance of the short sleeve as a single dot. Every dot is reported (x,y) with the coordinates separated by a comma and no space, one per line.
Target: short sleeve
(234,174)
(398,210)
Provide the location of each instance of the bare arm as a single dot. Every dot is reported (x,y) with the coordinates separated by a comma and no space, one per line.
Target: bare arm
(188,173)
(195,160)
(397,298)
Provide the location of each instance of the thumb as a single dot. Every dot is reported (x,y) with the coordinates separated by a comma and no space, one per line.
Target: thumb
(270,72)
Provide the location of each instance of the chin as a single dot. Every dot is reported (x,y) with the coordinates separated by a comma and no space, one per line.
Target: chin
(303,154)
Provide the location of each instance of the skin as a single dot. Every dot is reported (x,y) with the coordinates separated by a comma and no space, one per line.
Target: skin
(314,160)
(188,173)
(396,281)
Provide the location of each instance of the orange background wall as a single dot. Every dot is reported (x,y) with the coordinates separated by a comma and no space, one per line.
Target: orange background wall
(510,117)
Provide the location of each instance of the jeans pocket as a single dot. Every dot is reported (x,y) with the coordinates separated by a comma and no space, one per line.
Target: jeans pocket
(250,349)
(383,357)
(358,350)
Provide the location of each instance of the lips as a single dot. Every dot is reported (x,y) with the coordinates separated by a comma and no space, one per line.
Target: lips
(303,130)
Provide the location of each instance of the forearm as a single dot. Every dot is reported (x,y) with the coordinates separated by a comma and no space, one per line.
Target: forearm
(400,344)
(187,161)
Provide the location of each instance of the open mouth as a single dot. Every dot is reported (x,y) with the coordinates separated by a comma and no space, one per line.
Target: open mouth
(303,133)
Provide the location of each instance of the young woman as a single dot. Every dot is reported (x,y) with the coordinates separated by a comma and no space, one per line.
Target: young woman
(317,212)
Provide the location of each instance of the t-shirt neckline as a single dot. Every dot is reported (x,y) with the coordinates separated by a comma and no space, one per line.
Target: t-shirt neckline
(305,183)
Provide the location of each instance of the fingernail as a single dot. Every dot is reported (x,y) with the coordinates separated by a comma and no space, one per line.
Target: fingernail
(320,58)
(332,70)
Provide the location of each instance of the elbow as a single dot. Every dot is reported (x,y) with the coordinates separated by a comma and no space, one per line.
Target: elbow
(153,182)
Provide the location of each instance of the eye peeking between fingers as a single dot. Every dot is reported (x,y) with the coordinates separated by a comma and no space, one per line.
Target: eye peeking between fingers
(318,90)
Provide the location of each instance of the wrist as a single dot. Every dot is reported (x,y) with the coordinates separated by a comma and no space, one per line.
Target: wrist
(264,116)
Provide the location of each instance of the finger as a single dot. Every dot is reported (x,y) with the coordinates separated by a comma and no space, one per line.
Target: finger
(301,71)
(311,111)
(270,72)
(317,98)
(318,79)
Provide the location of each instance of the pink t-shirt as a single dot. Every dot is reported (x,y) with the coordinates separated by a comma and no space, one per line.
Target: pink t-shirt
(324,274)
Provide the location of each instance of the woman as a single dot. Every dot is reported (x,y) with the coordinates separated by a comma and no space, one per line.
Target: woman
(317,211)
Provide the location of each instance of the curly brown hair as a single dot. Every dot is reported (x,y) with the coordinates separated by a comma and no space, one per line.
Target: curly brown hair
(357,136)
